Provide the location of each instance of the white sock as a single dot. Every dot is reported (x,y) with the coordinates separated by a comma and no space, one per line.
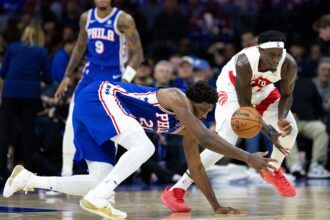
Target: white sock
(208,158)
(68,145)
(140,149)
(184,182)
(73,185)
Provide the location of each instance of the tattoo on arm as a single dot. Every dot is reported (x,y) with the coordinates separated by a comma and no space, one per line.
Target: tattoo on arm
(127,26)
(80,47)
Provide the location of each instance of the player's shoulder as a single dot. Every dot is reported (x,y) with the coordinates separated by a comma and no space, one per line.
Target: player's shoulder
(124,20)
(84,15)
(290,62)
(242,60)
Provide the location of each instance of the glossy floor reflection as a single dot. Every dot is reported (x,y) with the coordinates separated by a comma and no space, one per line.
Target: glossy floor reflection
(312,202)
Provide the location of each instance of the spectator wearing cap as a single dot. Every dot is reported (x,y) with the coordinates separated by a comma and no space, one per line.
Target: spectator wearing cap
(163,73)
(62,57)
(203,71)
(185,73)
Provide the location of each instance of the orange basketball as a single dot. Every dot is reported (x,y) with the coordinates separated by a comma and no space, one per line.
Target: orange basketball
(246,122)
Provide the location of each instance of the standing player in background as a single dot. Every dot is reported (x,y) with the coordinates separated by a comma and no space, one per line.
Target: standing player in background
(248,80)
(112,41)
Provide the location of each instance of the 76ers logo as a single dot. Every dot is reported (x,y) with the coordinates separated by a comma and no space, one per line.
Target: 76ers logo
(223,97)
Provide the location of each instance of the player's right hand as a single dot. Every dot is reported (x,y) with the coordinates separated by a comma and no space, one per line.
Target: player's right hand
(62,88)
(259,162)
(229,210)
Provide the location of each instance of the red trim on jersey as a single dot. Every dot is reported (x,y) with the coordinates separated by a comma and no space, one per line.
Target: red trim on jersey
(106,108)
(271,98)
(232,77)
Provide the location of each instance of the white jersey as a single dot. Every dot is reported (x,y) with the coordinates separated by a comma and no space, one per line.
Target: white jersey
(262,82)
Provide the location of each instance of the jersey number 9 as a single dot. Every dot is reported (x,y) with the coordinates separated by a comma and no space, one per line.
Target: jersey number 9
(99,47)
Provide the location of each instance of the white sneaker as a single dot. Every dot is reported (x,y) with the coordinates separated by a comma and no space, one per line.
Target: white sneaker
(17,181)
(317,171)
(297,169)
(101,206)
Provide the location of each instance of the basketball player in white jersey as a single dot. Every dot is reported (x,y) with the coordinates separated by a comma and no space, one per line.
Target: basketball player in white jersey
(112,41)
(248,80)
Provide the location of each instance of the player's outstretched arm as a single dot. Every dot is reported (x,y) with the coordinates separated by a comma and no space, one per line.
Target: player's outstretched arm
(77,54)
(199,176)
(127,26)
(182,107)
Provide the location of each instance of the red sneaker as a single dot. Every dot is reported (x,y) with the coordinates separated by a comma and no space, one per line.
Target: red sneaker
(278,180)
(174,200)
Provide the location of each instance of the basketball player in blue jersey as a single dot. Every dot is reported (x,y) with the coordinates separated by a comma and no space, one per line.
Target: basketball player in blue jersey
(123,113)
(112,42)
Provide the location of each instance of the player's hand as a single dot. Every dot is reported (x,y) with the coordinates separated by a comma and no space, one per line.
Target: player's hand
(229,210)
(259,162)
(62,88)
(284,126)
(274,136)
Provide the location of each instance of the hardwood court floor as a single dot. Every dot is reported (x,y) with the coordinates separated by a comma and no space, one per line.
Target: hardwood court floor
(311,202)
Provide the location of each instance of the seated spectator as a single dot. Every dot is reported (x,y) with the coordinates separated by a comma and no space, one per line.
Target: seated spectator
(322,26)
(163,73)
(307,107)
(143,75)
(185,73)
(61,58)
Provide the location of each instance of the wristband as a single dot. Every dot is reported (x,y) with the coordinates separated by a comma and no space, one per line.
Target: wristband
(129,74)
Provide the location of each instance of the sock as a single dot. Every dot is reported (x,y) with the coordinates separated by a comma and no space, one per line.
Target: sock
(140,149)
(184,182)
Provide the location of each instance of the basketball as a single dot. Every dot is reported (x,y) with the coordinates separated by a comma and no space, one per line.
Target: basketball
(246,122)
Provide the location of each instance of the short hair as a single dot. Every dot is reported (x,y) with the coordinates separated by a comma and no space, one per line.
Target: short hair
(322,22)
(202,92)
(70,39)
(268,36)
(324,60)
(164,63)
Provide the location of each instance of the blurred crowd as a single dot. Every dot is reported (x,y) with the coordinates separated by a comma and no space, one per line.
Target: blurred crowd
(183,41)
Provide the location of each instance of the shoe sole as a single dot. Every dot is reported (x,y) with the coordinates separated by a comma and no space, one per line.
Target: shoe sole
(89,207)
(169,207)
(10,180)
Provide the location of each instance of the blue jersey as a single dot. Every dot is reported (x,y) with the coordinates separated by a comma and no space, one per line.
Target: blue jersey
(135,101)
(106,45)
(104,110)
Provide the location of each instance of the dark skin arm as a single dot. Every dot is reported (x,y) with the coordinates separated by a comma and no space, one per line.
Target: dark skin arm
(244,95)
(196,133)
(289,74)
(77,55)
(198,174)
(127,26)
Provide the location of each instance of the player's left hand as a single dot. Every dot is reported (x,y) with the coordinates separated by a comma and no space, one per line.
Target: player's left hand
(284,126)
(274,137)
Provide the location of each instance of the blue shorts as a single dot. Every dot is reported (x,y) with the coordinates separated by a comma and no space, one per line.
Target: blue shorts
(87,146)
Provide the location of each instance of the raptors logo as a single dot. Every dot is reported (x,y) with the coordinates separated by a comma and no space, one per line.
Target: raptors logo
(223,97)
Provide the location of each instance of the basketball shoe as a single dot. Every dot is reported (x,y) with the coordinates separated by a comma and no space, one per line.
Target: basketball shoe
(101,206)
(174,199)
(17,181)
(281,184)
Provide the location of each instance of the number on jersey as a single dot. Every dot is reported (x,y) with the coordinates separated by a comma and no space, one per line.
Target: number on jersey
(99,47)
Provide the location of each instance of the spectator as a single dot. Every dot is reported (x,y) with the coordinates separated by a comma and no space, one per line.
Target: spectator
(143,75)
(307,107)
(185,73)
(163,73)
(62,57)
(322,26)
(248,39)
(25,65)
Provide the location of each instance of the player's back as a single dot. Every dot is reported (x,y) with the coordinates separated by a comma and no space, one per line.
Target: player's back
(106,44)
(136,101)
